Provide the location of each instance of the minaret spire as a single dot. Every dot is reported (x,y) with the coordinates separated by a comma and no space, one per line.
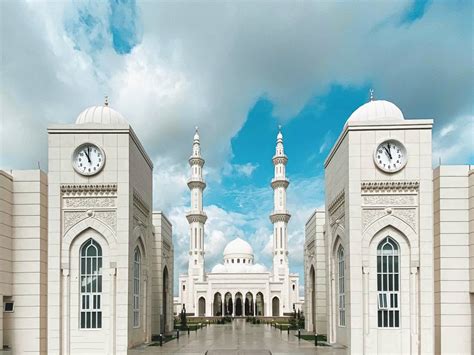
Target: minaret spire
(196,216)
(280,215)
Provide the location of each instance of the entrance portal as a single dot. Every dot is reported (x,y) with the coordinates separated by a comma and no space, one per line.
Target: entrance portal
(238,305)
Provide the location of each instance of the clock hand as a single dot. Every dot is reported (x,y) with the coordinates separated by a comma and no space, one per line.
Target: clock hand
(87,155)
(388,151)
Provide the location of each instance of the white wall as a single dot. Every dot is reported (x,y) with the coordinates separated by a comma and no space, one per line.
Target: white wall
(453,302)
(28,254)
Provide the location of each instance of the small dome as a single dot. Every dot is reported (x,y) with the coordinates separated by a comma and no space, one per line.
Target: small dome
(376,110)
(238,247)
(100,115)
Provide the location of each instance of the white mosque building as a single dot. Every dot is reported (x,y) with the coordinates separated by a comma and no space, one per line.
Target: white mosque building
(238,286)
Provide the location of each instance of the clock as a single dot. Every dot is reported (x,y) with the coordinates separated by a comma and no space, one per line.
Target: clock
(88,159)
(390,156)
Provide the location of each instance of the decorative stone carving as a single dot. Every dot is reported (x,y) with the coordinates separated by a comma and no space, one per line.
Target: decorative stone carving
(89,189)
(84,202)
(389,186)
(108,217)
(389,200)
(370,216)
(141,211)
(336,210)
(407,215)
(72,218)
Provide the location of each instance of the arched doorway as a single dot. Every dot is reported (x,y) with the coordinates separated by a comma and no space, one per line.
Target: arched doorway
(275,307)
(238,305)
(229,306)
(249,304)
(165,299)
(312,281)
(202,307)
(259,305)
(217,304)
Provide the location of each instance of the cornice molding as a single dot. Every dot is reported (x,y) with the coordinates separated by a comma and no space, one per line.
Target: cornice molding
(280,217)
(199,217)
(196,183)
(280,183)
(89,189)
(336,202)
(196,161)
(389,186)
(280,159)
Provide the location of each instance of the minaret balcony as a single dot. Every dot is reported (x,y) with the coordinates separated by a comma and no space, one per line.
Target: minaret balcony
(280,159)
(196,216)
(196,182)
(280,216)
(280,182)
(193,160)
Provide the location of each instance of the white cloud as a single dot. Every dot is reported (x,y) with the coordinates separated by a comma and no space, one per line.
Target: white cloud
(454,142)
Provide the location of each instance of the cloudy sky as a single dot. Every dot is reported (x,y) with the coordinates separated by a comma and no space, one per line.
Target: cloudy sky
(237,70)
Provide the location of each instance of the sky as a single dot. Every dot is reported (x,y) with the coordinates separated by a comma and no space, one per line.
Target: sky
(237,70)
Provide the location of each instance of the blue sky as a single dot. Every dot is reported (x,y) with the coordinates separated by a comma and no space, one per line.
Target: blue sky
(237,71)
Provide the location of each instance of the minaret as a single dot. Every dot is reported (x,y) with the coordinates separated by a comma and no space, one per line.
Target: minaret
(280,215)
(196,216)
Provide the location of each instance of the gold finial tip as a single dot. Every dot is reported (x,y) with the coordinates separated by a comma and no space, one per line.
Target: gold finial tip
(106,101)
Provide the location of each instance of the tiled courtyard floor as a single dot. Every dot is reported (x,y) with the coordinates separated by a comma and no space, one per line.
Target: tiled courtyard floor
(238,337)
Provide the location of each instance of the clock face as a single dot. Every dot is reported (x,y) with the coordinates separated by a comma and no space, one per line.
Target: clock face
(88,159)
(390,156)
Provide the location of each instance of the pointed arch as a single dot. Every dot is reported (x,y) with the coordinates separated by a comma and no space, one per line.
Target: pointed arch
(389,225)
(81,227)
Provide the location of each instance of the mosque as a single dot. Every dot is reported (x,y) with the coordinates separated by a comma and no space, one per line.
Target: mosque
(238,286)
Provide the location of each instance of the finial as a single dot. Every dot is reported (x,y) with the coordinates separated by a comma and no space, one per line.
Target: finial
(197,129)
(279,127)
(372,97)
(106,101)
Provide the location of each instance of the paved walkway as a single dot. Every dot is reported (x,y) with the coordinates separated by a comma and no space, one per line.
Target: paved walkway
(240,338)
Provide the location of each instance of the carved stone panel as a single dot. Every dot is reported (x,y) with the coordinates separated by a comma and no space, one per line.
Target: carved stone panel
(88,202)
(389,200)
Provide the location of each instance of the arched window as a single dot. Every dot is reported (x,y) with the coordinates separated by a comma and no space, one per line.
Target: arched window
(388,283)
(136,287)
(340,286)
(91,285)
(184,287)
(238,261)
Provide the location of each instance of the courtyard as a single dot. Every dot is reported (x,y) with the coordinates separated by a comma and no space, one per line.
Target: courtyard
(238,337)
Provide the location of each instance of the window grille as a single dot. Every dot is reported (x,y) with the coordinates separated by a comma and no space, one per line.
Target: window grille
(90,285)
(341,286)
(136,287)
(388,284)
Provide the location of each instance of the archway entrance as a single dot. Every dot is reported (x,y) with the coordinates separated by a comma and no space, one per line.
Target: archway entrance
(275,307)
(259,305)
(165,299)
(217,304)
(229,306)
(238,305)
(249,304)
(202,307)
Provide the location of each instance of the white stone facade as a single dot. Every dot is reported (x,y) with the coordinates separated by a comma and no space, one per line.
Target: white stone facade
(388,271)
(23,261)
(238,286)
(453,252)
(87,264)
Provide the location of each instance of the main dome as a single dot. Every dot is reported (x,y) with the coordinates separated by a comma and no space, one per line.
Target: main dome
(376,110)
(100,115)
(238,247)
